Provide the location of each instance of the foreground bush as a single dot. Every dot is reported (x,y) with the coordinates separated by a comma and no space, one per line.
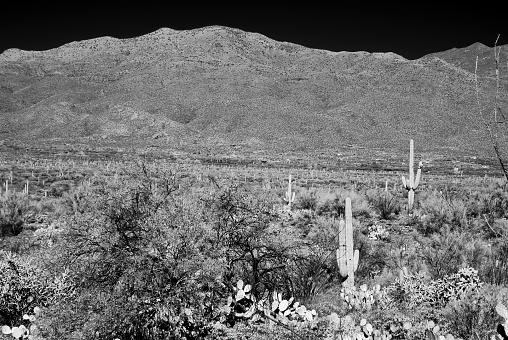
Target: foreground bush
(475,313)
(143,262)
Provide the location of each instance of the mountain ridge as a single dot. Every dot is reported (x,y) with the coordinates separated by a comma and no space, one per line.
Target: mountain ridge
(218,86)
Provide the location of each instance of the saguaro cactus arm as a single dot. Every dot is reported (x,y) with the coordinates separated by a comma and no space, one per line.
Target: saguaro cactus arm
(405,183)
(418,175)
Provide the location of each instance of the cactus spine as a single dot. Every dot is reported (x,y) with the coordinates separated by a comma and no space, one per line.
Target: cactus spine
(290,195)
(412,183)
(347,258)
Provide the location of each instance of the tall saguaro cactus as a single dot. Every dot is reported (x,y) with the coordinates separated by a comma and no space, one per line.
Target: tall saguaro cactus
(412,183)
(290,195)
(347,257)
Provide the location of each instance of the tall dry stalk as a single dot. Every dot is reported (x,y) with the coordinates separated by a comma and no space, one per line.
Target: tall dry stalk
(493,122)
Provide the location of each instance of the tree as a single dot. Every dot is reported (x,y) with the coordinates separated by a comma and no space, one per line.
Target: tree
(257,248)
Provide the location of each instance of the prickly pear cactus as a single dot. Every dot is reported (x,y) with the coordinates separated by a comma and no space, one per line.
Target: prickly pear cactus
(244,305)
(289,311)
(243,302)
(363,298)
(22,332)
(434,332)
(502,328)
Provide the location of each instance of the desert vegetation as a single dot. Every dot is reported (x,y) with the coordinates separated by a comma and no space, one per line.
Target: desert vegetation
(170,250)
(130,223)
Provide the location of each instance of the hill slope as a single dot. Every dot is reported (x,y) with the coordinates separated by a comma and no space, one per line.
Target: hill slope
(219,86)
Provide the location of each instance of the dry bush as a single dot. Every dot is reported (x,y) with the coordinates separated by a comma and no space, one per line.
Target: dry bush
(13,210)
(384,203)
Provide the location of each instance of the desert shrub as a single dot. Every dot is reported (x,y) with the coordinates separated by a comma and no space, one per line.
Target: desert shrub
(21,244)
(74,200)
(488,228)
(322,232)
(385,203)
(373,258)
(306,199)
(458,248)
(13,209)
(494,268)
(440,211)
(145,264)
(301,220)
(448,245)
(317,270)
(475,313)
(331,207)
(58,188)
(48,205)
(360,204)
(492,202)
(333,204)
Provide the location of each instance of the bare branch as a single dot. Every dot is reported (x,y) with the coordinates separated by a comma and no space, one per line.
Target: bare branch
(492,130)
(486,220)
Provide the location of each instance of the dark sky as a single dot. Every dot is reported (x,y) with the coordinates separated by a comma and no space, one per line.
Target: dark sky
(406,30)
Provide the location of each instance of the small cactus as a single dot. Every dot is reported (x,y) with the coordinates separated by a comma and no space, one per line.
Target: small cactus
(433,332)
(366,328)
(22,332)
(245,306)
(347,257)
(362,298)
(243,294)
(287,310)
(412,183)
(16,332)
(502,328)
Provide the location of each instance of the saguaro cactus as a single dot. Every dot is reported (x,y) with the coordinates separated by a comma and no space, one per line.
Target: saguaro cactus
(289,196)
(347,257)
(412,183)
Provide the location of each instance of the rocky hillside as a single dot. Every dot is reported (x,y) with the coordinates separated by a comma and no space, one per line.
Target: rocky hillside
(221,86)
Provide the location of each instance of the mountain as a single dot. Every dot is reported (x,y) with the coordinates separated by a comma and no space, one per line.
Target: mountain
(219,86)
